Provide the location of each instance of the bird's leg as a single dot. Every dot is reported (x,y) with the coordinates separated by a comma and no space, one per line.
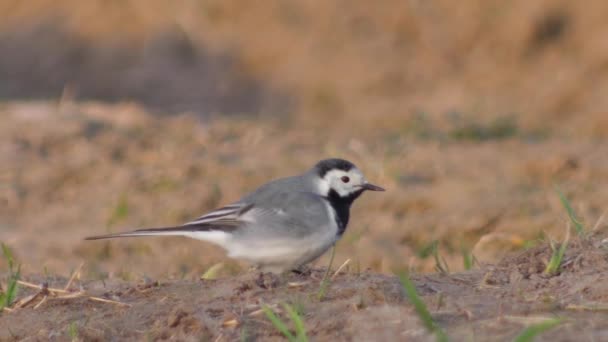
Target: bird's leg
(302,271)
(257,277)
(267,280)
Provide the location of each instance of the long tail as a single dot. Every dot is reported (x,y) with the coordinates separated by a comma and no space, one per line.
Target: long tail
(198,231)
(163,231)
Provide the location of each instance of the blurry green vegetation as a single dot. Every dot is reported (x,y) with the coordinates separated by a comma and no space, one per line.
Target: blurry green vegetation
(118,214)
(468,259)
(500,128)
(73,331)
(432,249)
(212,272)
(162,184)
(576,222)
(8,296)
(421,309)
(557,254)
(461,127)
(120,211)
(282,327)
(530,333)
(420,126)
(529,244)
(325,282)
(427,250)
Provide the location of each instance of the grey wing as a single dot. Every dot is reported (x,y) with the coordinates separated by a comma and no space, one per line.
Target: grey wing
(290,214)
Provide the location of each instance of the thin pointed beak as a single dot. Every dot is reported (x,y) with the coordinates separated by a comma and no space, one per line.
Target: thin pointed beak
(372,187)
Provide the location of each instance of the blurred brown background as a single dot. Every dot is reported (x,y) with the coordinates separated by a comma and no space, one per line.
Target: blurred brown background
(120,114)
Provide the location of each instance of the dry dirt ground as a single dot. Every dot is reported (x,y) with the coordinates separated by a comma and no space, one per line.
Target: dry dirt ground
(490,303)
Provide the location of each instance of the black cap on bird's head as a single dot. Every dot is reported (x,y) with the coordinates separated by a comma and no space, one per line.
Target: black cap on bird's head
(327,165)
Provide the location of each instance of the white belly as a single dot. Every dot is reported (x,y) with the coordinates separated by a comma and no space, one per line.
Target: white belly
(282,255)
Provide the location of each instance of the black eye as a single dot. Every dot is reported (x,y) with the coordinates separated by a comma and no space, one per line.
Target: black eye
(345,179)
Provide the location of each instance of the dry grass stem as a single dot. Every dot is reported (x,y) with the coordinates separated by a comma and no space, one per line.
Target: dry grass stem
(340,269)
(230,323)
(45,291)
(34,286)
(526,320)
(599,222)
(109,301)
(297,284)
(588,307)
(41,302)
(75,274)
(26,300)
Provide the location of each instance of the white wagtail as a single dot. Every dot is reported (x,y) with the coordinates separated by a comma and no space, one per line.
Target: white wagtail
(282,225)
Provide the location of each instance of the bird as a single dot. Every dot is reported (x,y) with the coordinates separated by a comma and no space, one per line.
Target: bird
(282,225)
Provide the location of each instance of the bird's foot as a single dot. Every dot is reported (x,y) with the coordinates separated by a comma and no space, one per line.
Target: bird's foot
(302,271)
(267,280)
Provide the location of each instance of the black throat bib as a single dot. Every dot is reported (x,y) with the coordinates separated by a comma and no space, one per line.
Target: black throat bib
(341,207)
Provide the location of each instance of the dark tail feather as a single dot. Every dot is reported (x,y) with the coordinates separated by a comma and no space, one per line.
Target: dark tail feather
(170,231)
(142,232)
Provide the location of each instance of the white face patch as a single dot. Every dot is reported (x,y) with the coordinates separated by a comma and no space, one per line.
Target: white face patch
(322,186)
(343,182)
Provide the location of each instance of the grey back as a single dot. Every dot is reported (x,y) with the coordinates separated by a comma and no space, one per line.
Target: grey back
(288,206)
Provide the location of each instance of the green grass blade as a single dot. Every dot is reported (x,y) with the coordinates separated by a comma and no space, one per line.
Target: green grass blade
(578,225)
(557,255)
(11,291)
(325,281)
(276,321)
(441,265)
(427,250)
(73,331)
(213,271)
(120,211)
(556,259)
(528,334)
(8,255)
(421,309)
(298,323)
(7,297)
(467,259)
(244,335)
(432,249)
